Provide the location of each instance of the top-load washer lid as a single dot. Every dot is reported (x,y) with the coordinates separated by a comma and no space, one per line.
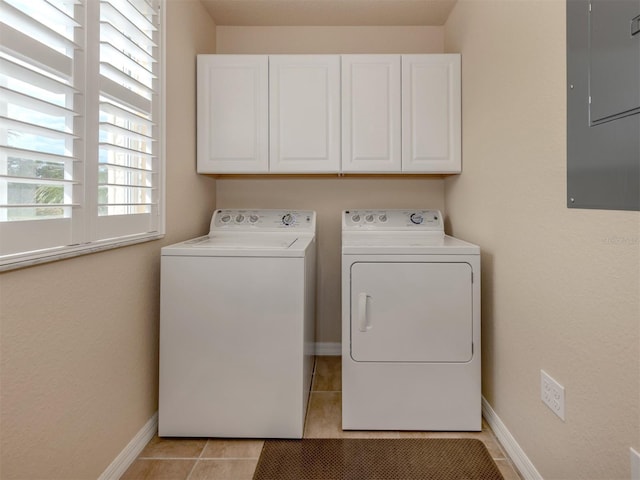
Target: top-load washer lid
(399,232)
(256,241)
(256,245)
(252,233)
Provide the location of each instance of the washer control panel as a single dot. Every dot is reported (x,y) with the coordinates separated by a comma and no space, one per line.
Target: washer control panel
(265,220)
(423,220)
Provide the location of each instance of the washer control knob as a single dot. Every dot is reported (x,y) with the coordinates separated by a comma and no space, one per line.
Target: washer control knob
(288,219)
(225,218)
(369,218)
(355,218)
(239,218)
(253,218)
(383,218)
(417,218)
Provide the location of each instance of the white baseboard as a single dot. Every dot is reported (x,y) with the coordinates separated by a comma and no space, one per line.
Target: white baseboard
(127,456)
(515,452)
(328,348)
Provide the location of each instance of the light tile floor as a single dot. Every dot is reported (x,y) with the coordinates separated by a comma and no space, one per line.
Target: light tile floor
(222,459)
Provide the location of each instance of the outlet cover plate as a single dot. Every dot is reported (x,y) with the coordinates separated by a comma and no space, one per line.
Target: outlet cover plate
(552,394)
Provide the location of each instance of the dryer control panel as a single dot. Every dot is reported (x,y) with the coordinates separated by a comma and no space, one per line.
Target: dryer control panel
(263,220)
(392,220)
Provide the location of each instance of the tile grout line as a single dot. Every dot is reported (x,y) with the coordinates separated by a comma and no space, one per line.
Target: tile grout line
(314,373)
(197,460)
(167,458)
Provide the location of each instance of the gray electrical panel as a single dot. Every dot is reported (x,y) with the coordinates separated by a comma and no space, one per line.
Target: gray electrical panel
(603,104)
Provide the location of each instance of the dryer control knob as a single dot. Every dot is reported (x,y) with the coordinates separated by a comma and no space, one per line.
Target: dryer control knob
(369,218)
(239,218)
(225,218)
(355,218)
(253,218)
(288,219)
(382,218)
(417,218)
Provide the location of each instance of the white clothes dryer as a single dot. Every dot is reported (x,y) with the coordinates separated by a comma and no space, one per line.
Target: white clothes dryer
(237,322)
(410,324)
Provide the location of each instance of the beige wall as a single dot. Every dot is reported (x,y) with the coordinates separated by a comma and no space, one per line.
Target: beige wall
(190,197)
(329,39)
(79,337)
(329,195)
(560,286)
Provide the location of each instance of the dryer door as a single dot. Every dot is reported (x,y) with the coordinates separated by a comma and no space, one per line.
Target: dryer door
(411,312)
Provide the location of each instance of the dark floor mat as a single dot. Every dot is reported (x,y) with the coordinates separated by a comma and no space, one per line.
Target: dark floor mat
(376,459)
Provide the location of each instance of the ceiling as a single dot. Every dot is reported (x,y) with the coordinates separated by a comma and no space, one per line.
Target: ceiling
(329,12)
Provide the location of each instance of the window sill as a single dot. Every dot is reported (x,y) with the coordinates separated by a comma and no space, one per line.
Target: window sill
(18,261)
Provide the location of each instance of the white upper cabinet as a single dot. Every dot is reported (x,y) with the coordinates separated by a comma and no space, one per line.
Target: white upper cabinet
(329,113)
(304,113)
(371,134)
(233,115)
(431,113)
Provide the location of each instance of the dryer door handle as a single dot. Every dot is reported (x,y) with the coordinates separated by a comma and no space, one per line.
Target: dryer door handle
(363,312)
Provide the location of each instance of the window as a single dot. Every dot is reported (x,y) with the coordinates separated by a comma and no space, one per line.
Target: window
(80,126)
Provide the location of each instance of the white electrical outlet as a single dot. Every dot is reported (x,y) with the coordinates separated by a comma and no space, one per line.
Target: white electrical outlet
(552,394)
(635,465)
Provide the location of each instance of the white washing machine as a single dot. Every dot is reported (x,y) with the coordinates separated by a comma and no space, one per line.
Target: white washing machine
(237,327)
(410,324)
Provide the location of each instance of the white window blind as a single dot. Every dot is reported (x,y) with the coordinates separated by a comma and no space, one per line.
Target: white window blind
(80,123)
(129,93)
(38,138)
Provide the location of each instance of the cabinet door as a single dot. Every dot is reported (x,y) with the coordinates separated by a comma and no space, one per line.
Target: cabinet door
(304,113)
(371,113)
(232,114)
(431,140)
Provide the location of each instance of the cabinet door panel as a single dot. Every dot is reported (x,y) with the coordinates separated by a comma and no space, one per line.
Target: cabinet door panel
(371,113)
(431,139)
(304,94)
(232,114)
